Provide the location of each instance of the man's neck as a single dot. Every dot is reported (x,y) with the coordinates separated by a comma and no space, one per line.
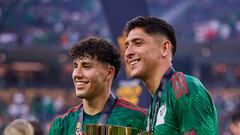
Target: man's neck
(153,81)
(96,105)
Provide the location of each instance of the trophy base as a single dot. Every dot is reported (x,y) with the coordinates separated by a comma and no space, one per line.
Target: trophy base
(94,129)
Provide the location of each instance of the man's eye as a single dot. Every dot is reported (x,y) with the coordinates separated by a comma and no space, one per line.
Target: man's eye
(138,44)
(75,65)
(87,66)
(126,46)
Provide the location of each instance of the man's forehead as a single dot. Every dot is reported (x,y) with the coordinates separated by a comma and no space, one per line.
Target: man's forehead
(136,33)
(133,38)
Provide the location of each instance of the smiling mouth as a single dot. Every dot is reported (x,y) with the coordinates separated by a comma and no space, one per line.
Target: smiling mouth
(133,63)
(79,84)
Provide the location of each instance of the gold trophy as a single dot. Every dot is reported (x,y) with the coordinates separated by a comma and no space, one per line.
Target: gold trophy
(95,129)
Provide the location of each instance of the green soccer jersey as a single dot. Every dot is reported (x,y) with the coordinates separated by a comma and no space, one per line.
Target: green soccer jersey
(123,114)
(184,108)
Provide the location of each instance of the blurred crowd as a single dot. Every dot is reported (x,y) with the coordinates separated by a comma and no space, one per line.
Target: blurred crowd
(62,22)
(200,21)
(38,106)
(227,102)
(50,22)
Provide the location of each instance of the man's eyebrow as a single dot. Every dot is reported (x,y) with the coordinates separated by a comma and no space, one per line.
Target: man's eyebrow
(137,39)
(87,63)
(133,40)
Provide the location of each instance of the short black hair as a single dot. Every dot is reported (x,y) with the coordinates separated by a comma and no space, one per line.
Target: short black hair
(99,49)
(153,25)
(235,117)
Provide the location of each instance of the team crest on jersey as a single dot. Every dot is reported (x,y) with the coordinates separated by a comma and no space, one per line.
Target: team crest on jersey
(161,115)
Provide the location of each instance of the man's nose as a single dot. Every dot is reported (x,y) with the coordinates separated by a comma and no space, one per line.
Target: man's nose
(129,52)
(77,72)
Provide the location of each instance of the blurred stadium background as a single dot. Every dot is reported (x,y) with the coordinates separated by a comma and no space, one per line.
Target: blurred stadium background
(35,73)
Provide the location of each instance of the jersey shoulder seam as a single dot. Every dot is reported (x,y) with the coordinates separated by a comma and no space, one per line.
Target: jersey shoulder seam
(125,104)
(73,109)
(179,83)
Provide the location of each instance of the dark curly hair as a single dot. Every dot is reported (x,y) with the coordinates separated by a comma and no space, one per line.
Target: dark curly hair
(99,49)
(153,25)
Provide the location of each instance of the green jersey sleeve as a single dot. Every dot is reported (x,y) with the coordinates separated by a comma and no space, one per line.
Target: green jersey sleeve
(127,114)
(184,107)
(55,128)
(65,124)
(195,111)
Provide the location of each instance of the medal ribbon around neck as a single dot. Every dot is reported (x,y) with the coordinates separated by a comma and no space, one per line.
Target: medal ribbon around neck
(159,91)
(103,117)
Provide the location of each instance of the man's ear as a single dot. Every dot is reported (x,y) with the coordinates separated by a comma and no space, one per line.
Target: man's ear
(110,72)
(166,48)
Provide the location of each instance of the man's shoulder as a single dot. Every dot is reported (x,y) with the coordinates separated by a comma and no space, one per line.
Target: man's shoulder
(61,120)
(130,106)
(70,111)
(185,85)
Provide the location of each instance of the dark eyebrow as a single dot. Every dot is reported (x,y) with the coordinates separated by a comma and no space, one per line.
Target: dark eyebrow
(137,39)
(87,63)
(134,40)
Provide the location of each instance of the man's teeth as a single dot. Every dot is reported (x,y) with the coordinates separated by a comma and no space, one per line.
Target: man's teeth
(80,83)
(133,62)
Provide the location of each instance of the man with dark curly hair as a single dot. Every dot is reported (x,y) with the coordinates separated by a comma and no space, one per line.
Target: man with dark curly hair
(181,105)
(96,63)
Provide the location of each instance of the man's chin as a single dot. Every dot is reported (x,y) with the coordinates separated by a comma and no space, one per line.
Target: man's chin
(134,74)
(137,75)
(80,95)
